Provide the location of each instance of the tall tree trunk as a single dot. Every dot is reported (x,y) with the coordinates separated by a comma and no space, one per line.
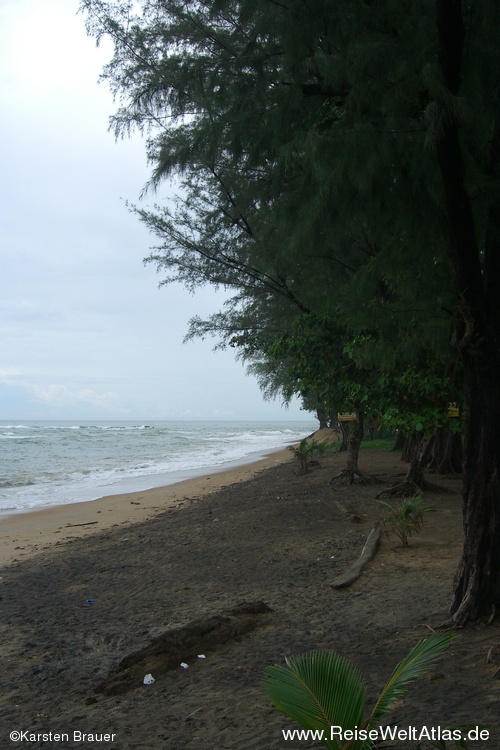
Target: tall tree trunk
(410,446)
(352,472)
(415,480)
(477,582)
(355,439)
(399,442)
(447,455)
(345,431)
(322,418)
(420,459)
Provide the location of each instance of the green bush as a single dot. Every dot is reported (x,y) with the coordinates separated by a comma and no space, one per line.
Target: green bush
(304,452)
(406,519)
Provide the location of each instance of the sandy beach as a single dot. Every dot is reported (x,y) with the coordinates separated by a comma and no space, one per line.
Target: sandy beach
(24,534)
(84,612)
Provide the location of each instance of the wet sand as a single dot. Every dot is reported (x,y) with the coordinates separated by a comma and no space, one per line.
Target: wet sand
(24,534)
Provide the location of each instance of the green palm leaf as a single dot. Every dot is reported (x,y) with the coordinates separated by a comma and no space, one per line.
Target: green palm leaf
(418,661)
(318,690)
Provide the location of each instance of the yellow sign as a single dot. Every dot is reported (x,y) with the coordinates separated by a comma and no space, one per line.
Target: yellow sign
(347,417)
(453,410)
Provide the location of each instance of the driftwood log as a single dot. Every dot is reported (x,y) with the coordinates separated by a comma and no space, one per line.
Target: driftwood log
(367,554)
(168,650)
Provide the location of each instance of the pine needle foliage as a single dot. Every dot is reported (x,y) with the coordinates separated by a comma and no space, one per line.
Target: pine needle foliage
(294,129)
(304,136)
(298,134)
(342,158)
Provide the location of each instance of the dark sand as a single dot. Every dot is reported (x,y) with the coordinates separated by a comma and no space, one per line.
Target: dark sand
(277,537)
(23,535)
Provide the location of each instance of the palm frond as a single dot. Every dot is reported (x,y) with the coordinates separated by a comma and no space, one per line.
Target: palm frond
(318,690)
(418,661)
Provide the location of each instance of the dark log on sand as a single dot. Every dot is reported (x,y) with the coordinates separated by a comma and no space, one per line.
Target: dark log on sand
(367,554)
(168,650)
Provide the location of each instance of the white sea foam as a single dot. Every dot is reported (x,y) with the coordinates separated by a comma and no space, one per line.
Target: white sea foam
(53,463)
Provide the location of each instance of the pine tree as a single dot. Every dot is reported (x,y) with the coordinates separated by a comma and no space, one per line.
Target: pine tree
(340,157)
(468,60)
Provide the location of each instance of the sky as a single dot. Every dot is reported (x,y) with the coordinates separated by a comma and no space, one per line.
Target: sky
(85,331)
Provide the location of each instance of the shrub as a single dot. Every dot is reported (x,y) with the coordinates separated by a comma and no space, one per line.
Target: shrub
(406,519)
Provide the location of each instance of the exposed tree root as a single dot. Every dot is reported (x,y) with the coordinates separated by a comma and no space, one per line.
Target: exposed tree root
(349,476)
(467,613)
(409,488)
(367,554)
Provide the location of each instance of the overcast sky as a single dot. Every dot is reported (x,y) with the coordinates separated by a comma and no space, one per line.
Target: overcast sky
(85,331)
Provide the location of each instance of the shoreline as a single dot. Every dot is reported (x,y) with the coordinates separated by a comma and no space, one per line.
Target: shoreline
(28,533)
(49,464)
(71,621)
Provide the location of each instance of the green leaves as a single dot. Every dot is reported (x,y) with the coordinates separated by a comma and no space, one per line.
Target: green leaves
(407,518)
(305,451)
(418,399)
(419,660)
(320,690)
(305,194)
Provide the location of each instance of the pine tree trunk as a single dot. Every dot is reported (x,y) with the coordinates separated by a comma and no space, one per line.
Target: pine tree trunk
(415,480)
(418,464)
(322,418)
(477,582)
(477,279)
(345,430)
(352,473)
(399,442)
(355,439)
(410,447)
(447,455)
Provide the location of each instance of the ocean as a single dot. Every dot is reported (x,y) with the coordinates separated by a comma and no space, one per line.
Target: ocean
(45,464)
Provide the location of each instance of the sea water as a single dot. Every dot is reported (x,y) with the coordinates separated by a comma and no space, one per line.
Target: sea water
(53,463)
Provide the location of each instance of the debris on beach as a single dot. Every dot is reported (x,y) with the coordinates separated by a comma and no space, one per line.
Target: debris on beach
(165,651)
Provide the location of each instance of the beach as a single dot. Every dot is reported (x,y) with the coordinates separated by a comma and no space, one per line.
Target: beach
(25,534)
(81,603)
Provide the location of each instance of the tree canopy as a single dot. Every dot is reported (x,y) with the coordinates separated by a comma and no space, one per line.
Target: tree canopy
(339,160)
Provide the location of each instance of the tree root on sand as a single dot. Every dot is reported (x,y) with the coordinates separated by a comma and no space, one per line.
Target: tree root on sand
(348,476)
(409,488)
